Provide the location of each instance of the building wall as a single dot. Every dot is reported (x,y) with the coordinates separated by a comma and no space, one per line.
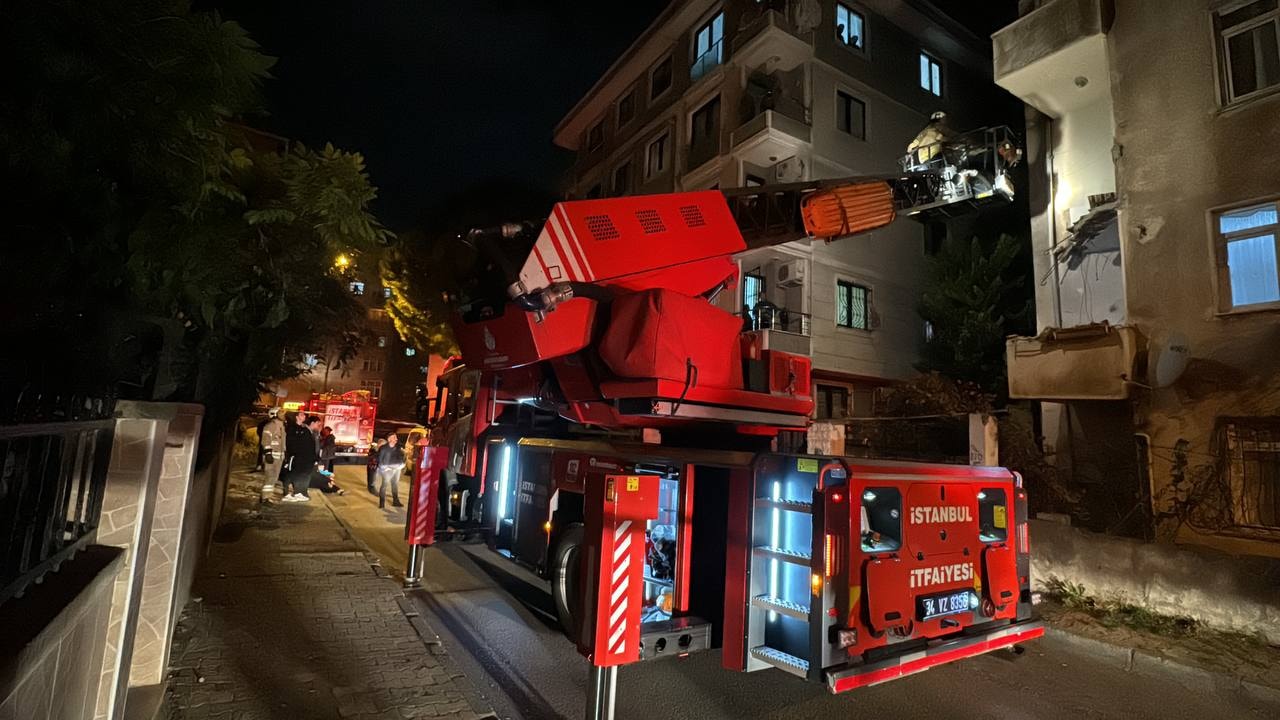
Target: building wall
(1183,155)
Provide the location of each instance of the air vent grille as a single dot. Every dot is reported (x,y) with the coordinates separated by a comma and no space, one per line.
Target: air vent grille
(650,222)
(692,216)
(601,228)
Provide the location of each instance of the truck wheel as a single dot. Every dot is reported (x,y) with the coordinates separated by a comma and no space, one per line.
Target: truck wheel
(566,583)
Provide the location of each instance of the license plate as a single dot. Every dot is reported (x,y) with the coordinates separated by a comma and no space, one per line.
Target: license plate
(933,606)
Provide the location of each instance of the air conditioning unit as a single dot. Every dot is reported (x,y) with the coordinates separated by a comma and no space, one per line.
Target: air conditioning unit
(789,170)
(792,274)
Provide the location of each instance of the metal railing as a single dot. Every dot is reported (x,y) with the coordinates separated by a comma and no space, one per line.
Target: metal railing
(51,489)
(778,319)
(707,61)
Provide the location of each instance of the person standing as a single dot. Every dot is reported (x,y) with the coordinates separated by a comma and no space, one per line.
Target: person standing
(302,456)
(272,438)
(328,448)
(371,469)
(390,466)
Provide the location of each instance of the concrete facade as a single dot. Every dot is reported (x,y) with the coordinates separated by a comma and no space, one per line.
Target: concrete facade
(782,79)
(1135,98)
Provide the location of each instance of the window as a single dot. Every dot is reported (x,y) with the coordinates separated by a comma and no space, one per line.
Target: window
(704,132)
(595,137)
(851,115)
(410,352)
(881,524)
(1247,256)
(708,43)
(356,287)
(386,293)
(752,289)
(627,108)
(622,179)
(660,78)
(993,515)
(655,162)
(930,74)
(1249,48)
(1253,470)
(849,27)
(831,402)
(851,306)
(754,181)
(382,341)
(373,386)
(372,366)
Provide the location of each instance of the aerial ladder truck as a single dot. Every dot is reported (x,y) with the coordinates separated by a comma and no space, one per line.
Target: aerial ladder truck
(612,426)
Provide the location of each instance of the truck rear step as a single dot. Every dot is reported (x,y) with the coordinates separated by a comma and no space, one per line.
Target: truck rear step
(783,661)
(779,605)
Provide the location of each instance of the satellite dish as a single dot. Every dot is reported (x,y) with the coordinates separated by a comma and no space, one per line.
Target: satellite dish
(1168,352)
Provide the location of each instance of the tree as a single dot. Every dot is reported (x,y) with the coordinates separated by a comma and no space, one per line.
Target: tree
(432,269)
(141,221)
(973,298)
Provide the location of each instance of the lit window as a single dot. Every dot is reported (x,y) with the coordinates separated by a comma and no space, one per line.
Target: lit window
(752,289)
(410,352)
(356,287)
(382,341)
(422,369)
(595,137)
(627,108)
(851,115)
(928,331)
(1249,48)
(660,78)
(1247,256)
(851,306)
(656,156)
(707,46)
(930,74)
(386,292)
(373,386)
(849,27)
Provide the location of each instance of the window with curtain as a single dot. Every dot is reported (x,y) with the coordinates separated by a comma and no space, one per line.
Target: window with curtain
(1248,272)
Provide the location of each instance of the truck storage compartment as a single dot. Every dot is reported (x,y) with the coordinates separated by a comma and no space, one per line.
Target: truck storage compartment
(662,334)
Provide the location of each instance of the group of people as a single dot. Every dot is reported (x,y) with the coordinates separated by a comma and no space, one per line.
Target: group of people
(302,454)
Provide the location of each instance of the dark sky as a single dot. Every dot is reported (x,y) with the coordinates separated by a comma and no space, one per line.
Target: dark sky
(439,95)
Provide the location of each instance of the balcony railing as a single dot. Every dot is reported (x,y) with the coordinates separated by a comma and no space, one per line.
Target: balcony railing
(707,61)
(51,491)
(776,319)
(773,13)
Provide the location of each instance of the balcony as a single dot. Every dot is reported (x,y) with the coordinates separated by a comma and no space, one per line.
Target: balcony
(782,329)
(1089,362)
(771,41)
(1055,57)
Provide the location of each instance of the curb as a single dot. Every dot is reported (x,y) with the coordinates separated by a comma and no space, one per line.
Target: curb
(431,642)
(1134,660)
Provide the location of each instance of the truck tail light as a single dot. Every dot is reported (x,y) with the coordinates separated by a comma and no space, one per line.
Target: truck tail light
(1024,539)
(830,555)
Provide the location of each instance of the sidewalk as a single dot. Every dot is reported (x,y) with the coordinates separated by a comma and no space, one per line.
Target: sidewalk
(290,619)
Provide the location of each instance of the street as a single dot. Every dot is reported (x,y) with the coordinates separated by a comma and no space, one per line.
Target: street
(498,627)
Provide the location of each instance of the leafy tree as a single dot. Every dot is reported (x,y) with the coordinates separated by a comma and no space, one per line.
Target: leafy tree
(973,299)
(138,215)
(432,269)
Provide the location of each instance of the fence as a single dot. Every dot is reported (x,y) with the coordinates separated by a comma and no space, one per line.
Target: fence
(51,492)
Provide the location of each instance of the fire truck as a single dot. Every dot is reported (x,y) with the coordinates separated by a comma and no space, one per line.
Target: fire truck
(351,415)
(616,429)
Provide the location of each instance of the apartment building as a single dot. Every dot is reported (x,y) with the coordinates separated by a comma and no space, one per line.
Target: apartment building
(385,366)
(1153,141)
(724,94)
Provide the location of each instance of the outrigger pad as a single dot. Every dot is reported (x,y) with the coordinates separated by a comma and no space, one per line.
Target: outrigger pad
(659,333)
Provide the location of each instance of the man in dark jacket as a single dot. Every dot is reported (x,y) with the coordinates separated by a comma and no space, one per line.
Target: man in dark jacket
(390,467)
(302,455)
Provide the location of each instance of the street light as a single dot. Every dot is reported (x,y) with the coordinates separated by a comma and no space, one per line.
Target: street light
(342,262)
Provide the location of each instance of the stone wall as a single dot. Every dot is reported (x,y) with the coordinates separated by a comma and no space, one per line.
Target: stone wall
(1224,591)
(54,638)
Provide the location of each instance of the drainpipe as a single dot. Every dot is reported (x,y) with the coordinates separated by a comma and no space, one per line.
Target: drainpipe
(1053,222)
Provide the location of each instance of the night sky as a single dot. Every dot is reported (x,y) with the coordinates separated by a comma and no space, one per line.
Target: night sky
(440,95)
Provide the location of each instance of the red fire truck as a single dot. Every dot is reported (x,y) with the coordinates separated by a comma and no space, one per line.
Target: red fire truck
(616,428)
(351,415)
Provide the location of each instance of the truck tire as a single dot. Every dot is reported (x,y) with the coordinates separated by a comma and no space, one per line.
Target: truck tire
(566,582)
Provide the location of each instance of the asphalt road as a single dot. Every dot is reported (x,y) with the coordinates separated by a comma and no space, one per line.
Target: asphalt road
(496,624)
